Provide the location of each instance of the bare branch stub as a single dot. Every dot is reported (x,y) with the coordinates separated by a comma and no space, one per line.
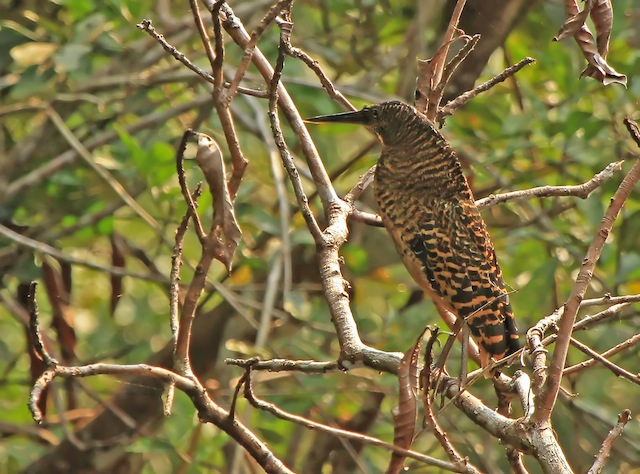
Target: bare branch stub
(605,449)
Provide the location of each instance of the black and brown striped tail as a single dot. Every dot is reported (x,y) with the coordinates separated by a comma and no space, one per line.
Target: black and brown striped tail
(497,339)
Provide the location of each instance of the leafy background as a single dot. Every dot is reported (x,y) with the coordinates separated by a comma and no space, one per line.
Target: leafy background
(102,75)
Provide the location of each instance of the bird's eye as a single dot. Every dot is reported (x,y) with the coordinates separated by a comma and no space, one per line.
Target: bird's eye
(375,113)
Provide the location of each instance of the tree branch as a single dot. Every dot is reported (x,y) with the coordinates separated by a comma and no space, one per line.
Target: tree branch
(565,327)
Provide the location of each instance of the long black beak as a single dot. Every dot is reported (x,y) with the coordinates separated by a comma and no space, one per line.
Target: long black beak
(359,117)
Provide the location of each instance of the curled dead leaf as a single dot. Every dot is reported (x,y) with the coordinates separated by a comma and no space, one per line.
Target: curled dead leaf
(406,413)
(594,50)
(224,226)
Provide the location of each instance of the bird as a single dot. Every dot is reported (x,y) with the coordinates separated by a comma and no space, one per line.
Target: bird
(428,208)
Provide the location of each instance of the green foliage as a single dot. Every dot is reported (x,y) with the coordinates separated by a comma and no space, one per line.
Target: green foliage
(108,81)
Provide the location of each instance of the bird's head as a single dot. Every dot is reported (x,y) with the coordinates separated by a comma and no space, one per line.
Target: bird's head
(389,120)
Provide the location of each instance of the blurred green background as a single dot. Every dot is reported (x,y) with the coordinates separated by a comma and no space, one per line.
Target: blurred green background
(128,102)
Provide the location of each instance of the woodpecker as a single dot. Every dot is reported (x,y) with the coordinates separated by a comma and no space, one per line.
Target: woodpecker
(428,208)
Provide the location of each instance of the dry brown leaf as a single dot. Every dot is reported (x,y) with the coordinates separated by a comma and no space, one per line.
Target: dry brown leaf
(62,320)
(602,17)
(594,51)
(574,23)
(427,81)
(406,413)
(118,261)
(224,225)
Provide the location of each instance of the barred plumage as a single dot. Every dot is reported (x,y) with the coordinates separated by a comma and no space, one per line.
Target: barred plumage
(428,208)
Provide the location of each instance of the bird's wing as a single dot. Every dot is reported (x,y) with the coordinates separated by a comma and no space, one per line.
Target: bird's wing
(450,243)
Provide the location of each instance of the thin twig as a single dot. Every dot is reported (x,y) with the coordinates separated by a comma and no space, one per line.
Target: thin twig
(202,31)
(435,93)
(589,321)
(607,444)
(279,413)
(66,158)
(461,55)
(182,180)
(217,66)
(145,25)
(579,190)
(251,45)
(287,365)
(430,419)
(632,341)
(281,193)
(617,370)
(176,264)
(100,170)
(608,299)
(315,67)
(321,179)
(451,106)
(48,250)
(276,130)
(222,99)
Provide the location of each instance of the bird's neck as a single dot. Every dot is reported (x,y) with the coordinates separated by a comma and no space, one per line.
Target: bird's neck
(426,165)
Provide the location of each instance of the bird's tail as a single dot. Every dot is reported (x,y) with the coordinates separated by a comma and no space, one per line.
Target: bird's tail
(497,335)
